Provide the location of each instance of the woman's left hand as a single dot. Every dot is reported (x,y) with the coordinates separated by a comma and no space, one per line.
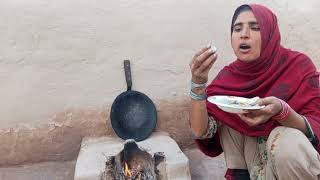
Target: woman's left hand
(256,117)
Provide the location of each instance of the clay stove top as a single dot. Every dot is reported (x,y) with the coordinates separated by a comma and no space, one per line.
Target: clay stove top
(96,151)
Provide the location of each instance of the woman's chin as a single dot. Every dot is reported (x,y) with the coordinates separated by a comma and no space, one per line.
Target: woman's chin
(247,60)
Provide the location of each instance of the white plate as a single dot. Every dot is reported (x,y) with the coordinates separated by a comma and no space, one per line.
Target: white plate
(234,104)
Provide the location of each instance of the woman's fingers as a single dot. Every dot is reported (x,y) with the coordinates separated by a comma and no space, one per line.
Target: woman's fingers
(263,111)
(207,53)
(273,105)
(206,65)
(247,119)
(202,57)
(201,63)
(266,101)
(195,57)
(253,120)
(256,117)
(201,51)
(211,64)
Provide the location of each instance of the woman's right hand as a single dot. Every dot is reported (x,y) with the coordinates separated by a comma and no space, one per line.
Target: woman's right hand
(201,64)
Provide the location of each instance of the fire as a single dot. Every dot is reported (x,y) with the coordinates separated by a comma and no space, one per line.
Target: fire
(127,171)
(132,174)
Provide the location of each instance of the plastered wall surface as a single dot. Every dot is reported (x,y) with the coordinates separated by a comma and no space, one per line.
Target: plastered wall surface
(61,64)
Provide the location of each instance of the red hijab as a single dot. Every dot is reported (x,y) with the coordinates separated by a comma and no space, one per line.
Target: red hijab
(283,73)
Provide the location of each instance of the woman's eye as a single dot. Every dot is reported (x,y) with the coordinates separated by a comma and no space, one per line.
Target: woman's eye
(255,28)
(237,29)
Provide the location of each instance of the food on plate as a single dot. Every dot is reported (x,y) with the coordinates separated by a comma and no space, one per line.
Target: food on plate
(232,100)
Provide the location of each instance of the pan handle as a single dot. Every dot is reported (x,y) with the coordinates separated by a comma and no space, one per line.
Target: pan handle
(127,71)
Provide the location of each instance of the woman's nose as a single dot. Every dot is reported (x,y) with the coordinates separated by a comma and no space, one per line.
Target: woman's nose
(245,33)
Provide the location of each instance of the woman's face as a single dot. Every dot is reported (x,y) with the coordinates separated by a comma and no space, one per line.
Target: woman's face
(246,37)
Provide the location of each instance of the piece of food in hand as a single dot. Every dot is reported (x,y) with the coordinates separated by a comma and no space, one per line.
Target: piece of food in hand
(214,49)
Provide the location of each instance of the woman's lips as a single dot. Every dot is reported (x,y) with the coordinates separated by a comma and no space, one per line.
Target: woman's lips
(244,48)
(245,51)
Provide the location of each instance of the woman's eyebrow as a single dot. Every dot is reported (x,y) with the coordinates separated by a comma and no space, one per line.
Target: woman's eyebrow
(253,23)
(238,24)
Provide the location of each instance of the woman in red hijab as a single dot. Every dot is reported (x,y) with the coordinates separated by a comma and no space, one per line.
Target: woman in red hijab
(279,141)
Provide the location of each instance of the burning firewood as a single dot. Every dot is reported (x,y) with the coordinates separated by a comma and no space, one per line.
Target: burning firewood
(133,163)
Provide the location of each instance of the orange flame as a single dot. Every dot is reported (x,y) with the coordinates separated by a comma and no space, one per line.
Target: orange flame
(127,170)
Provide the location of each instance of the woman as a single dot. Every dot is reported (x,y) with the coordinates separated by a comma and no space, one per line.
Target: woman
(279,141)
